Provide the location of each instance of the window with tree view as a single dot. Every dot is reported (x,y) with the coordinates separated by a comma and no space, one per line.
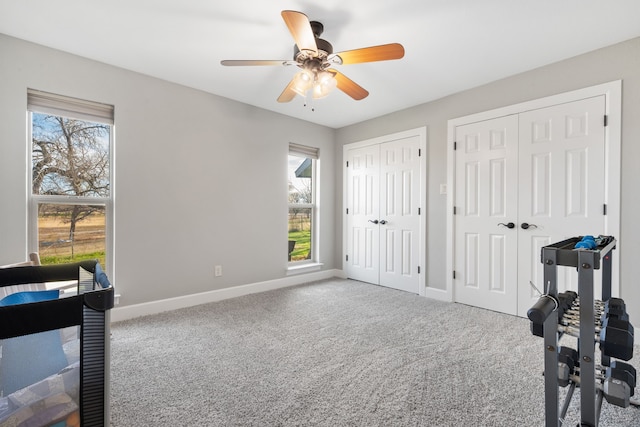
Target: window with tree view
(70,178)
(302,209)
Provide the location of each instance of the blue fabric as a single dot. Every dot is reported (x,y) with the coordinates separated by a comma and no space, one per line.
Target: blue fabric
(29,296)
(101,276)
(30,358)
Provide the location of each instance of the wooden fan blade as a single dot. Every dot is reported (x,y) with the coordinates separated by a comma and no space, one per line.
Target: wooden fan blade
(348,86)
(300,29)
(241,62)
(288,93)
(383,52)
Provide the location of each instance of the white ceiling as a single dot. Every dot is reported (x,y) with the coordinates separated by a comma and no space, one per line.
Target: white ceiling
(451,45)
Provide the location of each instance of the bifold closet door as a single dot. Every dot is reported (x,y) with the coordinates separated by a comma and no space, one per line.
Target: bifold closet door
(486,243)
(363,214)
(383,214)
(524,181)
(399,209)
(562,187)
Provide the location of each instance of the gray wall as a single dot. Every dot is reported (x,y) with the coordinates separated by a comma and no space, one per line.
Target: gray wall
(201,180)
(618,62)
(197,174)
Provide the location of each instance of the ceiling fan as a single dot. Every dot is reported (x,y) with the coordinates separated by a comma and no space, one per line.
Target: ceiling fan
(315,57)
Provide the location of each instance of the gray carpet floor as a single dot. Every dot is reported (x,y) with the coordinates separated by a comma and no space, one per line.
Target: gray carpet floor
(332,353)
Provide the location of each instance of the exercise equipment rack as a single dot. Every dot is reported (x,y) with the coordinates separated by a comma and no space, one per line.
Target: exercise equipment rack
(586,261)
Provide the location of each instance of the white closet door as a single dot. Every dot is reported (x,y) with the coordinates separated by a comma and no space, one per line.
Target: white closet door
(542,170)
(486,214)
(562,186)
(363,201)
(383,197)
(399,217)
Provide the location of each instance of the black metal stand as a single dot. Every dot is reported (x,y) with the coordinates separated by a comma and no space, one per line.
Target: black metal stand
(586,261)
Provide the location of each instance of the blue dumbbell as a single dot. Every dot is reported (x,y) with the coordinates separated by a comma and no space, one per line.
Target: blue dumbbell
(587,242)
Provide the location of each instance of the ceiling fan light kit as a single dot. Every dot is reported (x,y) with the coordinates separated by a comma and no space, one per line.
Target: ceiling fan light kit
(324,84)
(302,82)
(321,83)
(315,57)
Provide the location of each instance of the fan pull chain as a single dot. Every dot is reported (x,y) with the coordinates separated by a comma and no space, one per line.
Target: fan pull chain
(313,108)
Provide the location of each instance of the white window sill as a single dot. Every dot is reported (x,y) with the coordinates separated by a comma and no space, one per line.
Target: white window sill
(304,268)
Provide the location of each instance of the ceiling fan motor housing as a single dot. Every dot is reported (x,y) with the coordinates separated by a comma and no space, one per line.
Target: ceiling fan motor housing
(324,47)
(316,28)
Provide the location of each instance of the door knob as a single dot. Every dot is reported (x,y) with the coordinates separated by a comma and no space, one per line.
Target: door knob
(375,221)
(383,222)
(509,225)
(526,226)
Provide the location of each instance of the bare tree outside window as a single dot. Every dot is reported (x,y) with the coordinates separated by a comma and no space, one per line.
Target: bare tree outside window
(70,166)
(301,206)
(300,194)
(70,157)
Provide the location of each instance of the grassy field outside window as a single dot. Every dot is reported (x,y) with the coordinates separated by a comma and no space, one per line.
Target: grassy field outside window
(301,208)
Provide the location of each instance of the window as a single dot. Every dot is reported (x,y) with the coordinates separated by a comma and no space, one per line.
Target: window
(71,175)
(302,218)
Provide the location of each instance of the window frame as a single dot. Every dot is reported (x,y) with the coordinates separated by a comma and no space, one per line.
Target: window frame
(73,108)
(313,261)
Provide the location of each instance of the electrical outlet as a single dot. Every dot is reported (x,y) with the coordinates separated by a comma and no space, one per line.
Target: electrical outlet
(218,271)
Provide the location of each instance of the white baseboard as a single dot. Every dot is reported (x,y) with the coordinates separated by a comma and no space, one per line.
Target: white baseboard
(340,274)
(439,294)
(154,307)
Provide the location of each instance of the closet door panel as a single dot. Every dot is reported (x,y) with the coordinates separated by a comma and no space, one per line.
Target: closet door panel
(562,186)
